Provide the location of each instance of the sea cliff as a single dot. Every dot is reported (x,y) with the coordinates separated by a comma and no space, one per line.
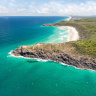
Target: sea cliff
(62,53)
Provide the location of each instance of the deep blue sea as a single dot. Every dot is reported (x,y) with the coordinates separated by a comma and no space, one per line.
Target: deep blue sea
(18,77)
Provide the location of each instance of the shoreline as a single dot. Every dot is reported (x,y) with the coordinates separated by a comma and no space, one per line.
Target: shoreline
(69,18)
(45,60)
(73,33)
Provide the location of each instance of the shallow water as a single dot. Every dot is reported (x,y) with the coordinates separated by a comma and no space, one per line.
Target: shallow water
(26,77)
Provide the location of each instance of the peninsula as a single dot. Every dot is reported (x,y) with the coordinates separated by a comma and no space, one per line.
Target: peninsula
(80,52)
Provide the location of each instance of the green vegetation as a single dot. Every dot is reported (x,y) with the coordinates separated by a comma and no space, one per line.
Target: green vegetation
(87,31)
(86,47)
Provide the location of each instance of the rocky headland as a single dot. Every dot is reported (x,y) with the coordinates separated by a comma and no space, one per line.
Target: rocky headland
(80,54)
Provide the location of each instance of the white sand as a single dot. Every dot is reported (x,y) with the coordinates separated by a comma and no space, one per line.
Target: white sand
(74,36)
(68,19)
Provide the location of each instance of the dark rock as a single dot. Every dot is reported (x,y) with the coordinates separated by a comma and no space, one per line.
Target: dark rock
(83,62)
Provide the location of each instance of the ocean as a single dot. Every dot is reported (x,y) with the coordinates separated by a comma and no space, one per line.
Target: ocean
(21,77)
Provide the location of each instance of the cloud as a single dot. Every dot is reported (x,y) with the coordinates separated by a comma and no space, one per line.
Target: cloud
(50,8)
(43,11)
(21,10)
(3,9)
(87,8)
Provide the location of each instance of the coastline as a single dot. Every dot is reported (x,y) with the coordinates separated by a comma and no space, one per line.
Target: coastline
(63,53)
(45,60)
(73,36)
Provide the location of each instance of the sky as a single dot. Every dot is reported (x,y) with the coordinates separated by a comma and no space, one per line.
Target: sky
(47,7)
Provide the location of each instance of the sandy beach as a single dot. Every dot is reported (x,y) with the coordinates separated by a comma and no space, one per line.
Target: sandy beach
(68,19)
(74,36)
(73,33)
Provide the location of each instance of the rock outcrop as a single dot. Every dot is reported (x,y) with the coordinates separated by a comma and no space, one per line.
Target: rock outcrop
(55,52)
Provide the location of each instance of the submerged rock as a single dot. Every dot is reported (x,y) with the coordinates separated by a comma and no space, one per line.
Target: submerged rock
(31,61)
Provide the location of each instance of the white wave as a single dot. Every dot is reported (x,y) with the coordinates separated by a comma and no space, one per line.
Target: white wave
(11,55)
(64,36)
(60,38)
(76,67)
(42,60)
(63,64)
(61,33)
(62,28)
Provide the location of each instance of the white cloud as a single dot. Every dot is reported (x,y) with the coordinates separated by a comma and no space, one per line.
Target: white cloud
(21,10)
(50,8)
(88,8)
(3,9)
(43,11)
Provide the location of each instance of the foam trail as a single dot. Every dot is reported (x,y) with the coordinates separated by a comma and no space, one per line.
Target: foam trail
(42,60)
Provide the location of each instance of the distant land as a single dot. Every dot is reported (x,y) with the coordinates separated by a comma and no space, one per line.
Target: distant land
(80,53)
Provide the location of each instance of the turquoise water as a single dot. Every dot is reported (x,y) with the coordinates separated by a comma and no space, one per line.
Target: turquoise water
(20,78)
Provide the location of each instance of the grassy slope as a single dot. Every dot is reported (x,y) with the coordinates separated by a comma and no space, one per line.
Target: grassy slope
(87,31)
